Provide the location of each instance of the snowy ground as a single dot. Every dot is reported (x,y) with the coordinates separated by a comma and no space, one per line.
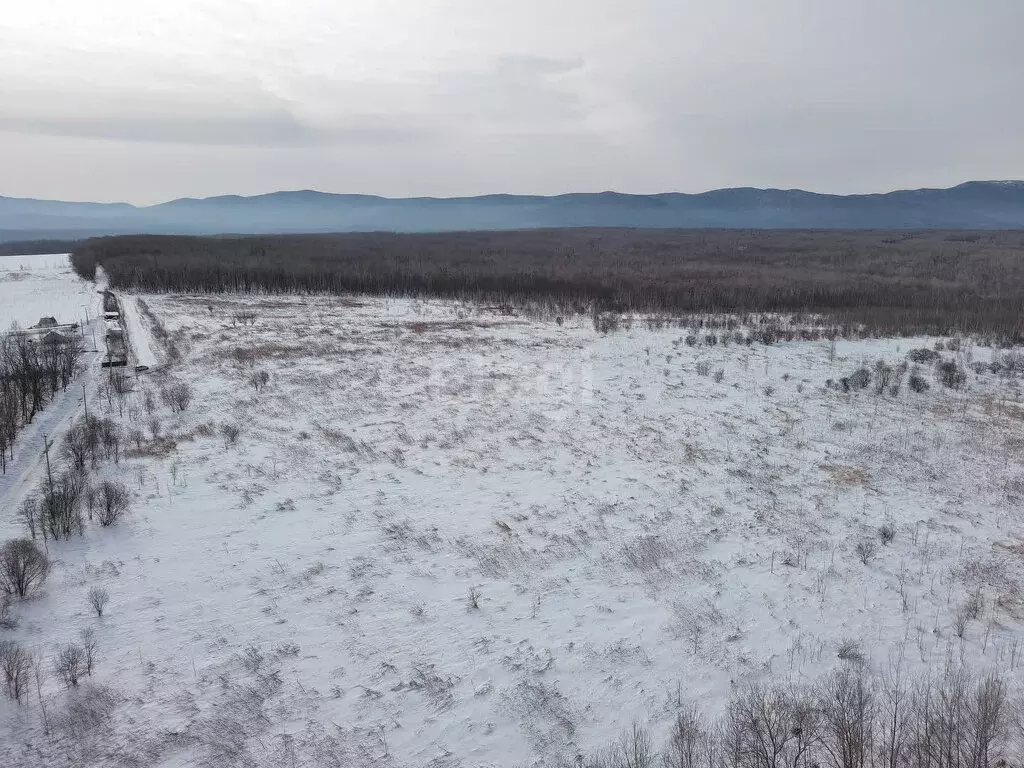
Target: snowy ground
(32,287)
(449,537)
(36,286)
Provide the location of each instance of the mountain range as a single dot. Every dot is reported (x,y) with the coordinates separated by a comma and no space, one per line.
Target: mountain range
(972,205)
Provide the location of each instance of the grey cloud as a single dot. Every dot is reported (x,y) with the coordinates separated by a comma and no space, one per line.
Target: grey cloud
(462,97)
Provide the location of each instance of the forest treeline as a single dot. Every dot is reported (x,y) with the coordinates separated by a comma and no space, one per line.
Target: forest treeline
(30,247)
(929,281)
(31,372)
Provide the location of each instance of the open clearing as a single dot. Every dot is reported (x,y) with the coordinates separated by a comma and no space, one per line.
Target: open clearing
(45,285)
(447,536)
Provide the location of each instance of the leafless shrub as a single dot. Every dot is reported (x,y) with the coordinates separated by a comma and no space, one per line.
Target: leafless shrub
(691,743)
(23,567)
(975,604)
(703,368)
(88,649)
(114,502)
(29,513)
(950,374)
(8,619)
(259,380)
(230,433)
(922,355)
(154,427)
(85,712)
(148,402)
(473,598)
(918,383)
(884,375)
(176,396)
(866,550)
(135,437)
(646,554)
(15,665)
(719,375)
(252,658)
(98,599)
(960,620)
(69,664)
(859,379)
(886,533)
(60,505)
(850,650)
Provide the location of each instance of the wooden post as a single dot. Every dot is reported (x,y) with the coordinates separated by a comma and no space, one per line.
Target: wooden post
(46,450)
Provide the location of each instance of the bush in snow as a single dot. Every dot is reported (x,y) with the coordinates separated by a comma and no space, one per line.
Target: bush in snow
(950,374)
(918,383)
(98,599)
(923,355)
(176,396)
(23,567)
(114,502)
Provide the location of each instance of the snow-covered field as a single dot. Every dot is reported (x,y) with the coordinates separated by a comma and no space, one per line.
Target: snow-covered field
(36,286)
(450,537)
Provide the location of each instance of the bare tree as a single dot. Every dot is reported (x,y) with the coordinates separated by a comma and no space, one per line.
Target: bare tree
(15,665)
(176,396)
(259,380)
(848,708)
(29,512)
(23,567)
(98,599)
(60,506)
(8,619)
(69,664)
(987,722)
(88,649)
(635,749)
(230,433)
(114,502)
(690,743)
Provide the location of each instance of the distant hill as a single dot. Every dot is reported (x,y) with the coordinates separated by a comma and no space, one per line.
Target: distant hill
(973,205)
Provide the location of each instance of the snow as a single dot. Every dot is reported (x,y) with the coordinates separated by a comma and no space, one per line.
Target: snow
(635,532)
(32,287)
(43,285)
(139,337)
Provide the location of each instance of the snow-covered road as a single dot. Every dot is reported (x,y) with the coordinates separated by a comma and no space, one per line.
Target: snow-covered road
(142,343)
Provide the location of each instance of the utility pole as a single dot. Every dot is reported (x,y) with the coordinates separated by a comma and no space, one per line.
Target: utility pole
(85,400)
(46,450)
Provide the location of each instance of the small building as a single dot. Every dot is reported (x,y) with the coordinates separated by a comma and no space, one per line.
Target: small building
(46,322)
(111,315)
(53,337)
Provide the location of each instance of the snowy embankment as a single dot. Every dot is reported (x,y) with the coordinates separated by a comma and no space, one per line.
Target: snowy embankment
(444,537)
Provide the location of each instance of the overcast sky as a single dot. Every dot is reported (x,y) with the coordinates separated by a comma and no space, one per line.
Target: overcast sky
(145,101)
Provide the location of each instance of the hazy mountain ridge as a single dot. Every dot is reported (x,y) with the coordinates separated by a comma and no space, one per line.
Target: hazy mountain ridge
(972,205)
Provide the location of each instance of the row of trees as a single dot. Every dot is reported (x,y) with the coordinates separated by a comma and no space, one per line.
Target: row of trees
(924,282)
(944,719)
(31,372)
(58,508)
